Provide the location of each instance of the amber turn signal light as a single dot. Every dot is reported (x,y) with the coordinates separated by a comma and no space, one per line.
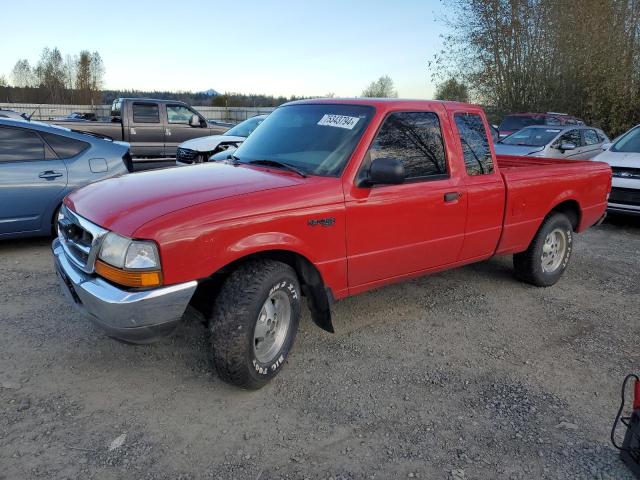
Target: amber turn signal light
(129,278)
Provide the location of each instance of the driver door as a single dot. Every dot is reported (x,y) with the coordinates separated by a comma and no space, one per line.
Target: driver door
(396,230)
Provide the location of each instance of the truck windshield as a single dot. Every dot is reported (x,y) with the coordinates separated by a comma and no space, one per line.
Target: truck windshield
(316,139)
(629,142)
(532,137)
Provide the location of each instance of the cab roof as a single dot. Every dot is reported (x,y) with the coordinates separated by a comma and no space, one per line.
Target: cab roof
(385,103)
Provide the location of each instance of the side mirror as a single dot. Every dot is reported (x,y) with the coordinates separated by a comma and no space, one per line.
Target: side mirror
(194,121)
(606,145)
(385,171)
(567,146)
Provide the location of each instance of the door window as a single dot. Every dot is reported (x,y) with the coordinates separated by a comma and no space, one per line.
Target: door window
(590,137)
(475,144)
(572,136)
(19,145)
(179,114)
(146,113)
(415,139)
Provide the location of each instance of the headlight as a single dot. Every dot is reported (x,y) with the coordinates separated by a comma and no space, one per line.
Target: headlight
(114,249)
(133,263)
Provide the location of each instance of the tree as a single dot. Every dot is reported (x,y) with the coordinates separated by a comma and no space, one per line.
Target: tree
(452,89)
(51,76)
(70,72)
(97,73)
(381,88)
(3,81)
(83,77)
(22,74)
(540,55)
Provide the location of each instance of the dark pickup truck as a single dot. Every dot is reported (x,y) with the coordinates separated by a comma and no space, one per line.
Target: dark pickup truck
(153,128)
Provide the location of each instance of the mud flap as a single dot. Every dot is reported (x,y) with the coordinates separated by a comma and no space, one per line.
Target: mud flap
(318,302)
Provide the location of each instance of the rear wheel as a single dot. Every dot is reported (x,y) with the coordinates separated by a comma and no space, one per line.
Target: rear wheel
(254,322)
(543,263)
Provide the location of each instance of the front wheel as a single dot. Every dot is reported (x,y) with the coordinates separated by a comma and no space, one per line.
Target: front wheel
(543,263)
(254,322)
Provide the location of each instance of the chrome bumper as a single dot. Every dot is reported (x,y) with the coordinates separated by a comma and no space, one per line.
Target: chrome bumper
(133,316)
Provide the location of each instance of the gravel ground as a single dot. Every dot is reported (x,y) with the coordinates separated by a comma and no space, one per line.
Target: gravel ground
(466,374)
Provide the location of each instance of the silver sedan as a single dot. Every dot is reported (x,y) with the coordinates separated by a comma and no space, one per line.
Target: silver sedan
(571,142)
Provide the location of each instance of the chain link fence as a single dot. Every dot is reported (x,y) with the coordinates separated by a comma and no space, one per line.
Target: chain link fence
(43,111)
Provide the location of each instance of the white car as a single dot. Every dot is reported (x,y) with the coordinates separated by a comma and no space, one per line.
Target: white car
(198,150)
(624,157)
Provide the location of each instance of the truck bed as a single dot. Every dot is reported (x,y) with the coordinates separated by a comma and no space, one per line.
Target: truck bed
(534,186)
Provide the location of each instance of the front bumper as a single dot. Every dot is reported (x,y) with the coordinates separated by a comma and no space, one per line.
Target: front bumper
(133,316)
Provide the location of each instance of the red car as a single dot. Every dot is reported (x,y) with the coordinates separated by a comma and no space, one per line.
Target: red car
(517,121)
(326,199)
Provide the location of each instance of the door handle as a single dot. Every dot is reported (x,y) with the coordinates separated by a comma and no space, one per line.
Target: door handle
(50,174)
(452,196)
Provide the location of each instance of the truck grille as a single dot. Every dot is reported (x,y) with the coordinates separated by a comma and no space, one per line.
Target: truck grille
(628,196)
(622,172)
(186,155)
(80,239)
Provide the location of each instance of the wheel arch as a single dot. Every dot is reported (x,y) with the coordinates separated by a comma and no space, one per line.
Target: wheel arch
(319,296)
(570,208)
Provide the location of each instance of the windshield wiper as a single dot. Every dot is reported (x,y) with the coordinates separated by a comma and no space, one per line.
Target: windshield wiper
(276,163)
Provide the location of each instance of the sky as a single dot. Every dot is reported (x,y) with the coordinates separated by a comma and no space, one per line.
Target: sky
(273,47)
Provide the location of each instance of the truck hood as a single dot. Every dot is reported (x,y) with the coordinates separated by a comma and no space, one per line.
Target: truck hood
(502,149)
(208,144)
(123,204)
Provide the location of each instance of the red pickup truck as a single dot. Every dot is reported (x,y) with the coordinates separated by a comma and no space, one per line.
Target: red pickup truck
(326,199)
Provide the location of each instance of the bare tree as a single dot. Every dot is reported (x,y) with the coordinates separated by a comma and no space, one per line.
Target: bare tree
(70,73)
(97,75)
(22,75)
(3,81)
(50,74)
(83,77)
(381,88)
(452,89)
(515,55)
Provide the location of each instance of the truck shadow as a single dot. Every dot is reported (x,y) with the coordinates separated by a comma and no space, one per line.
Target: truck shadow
(631,222)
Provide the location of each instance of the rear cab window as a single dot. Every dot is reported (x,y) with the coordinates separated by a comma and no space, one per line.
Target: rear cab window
(475,144)
(145,112)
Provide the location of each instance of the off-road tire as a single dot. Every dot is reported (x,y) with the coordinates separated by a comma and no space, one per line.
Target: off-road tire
(234,317)
(528,265)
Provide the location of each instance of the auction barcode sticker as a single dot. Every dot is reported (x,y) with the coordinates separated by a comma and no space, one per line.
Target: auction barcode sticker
(340,121)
